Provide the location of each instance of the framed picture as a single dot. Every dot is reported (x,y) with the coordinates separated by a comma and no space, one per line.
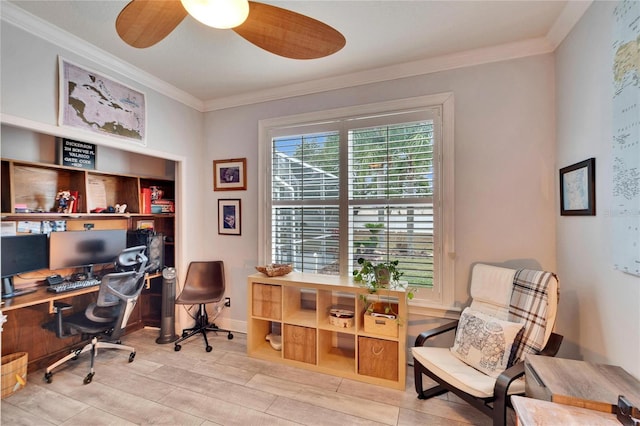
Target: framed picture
(230,175)
(578,189)
(229,218)
(95,103)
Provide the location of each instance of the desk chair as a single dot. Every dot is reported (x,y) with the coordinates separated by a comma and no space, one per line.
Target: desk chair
(107,318)
(204,284)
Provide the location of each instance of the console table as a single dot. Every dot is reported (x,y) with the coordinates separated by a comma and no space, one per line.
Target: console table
(297,307)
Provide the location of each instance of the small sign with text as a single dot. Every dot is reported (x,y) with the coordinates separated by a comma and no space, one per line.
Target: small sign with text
(77,154)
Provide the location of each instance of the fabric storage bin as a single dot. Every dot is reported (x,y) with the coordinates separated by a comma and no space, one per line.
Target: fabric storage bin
(378,358)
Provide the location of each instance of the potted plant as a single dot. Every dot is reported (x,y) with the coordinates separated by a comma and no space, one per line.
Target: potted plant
(377,276)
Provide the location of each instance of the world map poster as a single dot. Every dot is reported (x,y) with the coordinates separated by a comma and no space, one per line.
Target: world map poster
(625,171)
(93,102)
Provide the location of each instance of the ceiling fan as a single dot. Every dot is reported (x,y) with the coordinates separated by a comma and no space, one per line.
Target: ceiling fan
(143,23)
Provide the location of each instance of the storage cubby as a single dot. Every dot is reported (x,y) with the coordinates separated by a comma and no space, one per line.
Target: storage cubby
(336,351)
(262,347)
(105,190)
(36,186)
(299,305)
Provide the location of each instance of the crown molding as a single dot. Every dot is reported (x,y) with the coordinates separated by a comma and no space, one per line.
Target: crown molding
(570,15)
(468,58)
(568,18)
(38,27)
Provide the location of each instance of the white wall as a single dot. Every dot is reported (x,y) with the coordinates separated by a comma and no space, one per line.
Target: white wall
(29,91)
(504,164)
(599,306)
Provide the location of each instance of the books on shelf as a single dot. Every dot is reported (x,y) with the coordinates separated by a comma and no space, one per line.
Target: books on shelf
(162,206)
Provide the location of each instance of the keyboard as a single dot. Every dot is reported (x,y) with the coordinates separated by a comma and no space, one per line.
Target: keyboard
(72,285)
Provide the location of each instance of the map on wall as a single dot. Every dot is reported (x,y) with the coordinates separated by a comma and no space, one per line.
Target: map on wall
(93,102)
(625,172)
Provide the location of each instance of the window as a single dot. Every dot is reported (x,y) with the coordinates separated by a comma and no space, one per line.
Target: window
(354,183)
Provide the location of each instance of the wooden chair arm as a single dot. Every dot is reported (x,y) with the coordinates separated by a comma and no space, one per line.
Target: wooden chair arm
(422,337)
(553,345)
(500,392)
(507,377)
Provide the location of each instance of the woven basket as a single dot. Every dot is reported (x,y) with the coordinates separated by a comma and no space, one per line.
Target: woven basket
(14,372)
(275,269)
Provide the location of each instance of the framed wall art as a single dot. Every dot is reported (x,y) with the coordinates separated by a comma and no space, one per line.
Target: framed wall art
(95,103)
(230,175)
(229,217)
(578,189)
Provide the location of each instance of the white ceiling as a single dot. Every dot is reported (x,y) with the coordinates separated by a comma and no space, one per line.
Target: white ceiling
(384,39)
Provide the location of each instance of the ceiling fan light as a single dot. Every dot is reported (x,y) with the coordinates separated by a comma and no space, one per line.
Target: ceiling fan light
(221,14)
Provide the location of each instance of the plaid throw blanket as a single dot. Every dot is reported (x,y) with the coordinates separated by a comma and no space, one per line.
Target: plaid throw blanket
(528,305)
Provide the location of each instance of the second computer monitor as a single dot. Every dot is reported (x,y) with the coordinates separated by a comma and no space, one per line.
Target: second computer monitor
(83,249)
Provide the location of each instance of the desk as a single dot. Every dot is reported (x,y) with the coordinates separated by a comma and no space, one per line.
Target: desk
(41,296)
(23,330)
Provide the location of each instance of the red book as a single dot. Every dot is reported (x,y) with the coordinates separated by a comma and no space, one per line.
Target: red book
(74,202)
(145,199)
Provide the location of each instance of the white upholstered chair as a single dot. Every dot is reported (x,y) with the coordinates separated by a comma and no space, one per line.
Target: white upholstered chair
(512,313)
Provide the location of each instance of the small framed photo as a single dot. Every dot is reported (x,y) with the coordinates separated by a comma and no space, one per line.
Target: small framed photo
(229,218)
(230,175)
(578,189)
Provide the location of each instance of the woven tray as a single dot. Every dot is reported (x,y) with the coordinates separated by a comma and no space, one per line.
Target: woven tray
(275,269)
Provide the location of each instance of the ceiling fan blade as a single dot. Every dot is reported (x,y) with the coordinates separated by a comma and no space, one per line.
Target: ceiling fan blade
(143,23)
(288,33)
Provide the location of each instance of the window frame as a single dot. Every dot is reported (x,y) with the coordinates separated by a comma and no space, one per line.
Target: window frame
(428,301)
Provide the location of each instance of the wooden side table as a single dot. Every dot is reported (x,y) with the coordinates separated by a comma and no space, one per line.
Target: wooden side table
(535,412)
(580,383)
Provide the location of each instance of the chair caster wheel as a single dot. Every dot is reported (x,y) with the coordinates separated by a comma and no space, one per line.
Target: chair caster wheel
(47,377)
(88,379)
(208,348)
(177,348)
(132,355)
(229,336)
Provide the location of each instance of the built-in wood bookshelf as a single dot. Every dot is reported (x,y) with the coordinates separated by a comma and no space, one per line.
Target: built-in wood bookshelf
(36,185)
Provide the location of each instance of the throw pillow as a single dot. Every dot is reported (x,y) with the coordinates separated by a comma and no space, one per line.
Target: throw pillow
(484,342)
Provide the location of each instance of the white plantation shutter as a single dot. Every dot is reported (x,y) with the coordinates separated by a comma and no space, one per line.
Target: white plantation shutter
(305,197)
(356,186)
(391,197)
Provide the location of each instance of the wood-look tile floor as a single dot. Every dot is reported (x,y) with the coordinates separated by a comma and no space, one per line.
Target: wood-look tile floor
(222,387)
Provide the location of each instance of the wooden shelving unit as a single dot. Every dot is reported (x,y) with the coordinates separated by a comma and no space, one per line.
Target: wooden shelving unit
(297,307)
(37,184)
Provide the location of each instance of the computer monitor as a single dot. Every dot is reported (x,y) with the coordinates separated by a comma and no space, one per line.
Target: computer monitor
(21,254)
(83,249)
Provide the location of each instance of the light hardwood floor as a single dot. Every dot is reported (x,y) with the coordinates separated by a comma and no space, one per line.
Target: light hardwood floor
(223,387)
